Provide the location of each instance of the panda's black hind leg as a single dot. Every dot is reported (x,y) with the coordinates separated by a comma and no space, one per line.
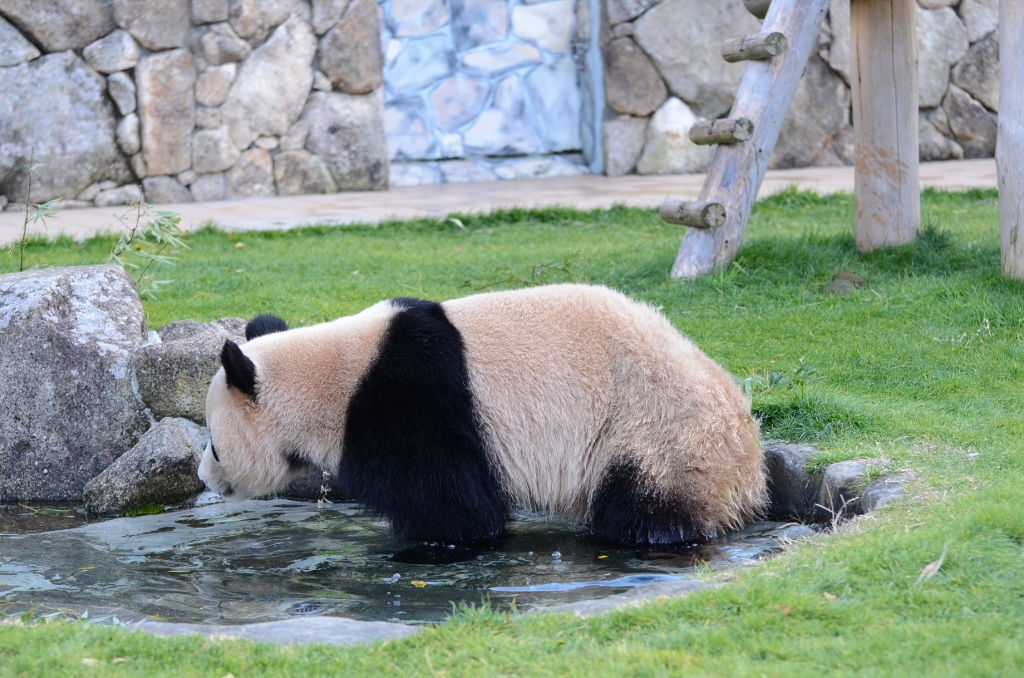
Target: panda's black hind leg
(627,509)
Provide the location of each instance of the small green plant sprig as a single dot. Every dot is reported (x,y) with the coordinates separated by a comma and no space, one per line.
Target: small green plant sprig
(34,212)
(150,237)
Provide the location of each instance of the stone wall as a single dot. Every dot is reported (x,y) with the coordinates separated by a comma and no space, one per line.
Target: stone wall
(215,99)
(203,100)
(663,71)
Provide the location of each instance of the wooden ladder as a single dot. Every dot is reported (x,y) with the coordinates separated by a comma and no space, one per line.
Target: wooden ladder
(746,139)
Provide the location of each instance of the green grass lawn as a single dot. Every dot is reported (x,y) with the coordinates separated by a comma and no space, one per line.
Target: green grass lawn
(922,368)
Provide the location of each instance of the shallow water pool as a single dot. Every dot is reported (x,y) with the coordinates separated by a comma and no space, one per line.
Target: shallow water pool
(275,559)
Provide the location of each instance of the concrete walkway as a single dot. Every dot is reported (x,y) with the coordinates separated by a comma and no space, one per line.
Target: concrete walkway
(582,192)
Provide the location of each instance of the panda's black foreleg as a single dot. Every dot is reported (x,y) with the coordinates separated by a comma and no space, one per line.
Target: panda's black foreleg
(627,509)
(413,450)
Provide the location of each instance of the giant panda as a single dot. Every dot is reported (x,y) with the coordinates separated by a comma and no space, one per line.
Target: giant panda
(445,417)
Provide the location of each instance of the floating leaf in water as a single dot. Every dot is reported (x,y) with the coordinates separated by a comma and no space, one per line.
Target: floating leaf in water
(419,583)
(87,568)
(602,557)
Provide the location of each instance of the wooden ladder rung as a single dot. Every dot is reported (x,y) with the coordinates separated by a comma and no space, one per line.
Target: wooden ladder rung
(723,131)
(694,214)
(754,47)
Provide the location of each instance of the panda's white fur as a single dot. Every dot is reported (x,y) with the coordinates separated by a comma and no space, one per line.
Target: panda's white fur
(586,403)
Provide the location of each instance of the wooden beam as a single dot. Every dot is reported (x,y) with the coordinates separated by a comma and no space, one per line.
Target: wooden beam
(754,47)
(884,78)
(693,214)
(736,171)
(722,131)
(1010,144)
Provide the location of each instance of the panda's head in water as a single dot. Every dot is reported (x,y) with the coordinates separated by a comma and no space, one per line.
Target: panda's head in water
(248,454)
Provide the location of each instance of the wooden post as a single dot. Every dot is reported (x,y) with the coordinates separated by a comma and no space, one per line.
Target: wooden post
(884,77)
(1010,144)
(737,170)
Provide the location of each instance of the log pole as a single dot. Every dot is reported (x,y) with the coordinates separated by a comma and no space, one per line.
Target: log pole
(754,47)
(737,170)
(722,131)
(693,214)
(1010,144)
(884,78)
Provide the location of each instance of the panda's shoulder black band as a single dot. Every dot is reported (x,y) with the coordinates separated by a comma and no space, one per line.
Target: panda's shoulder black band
(413,450)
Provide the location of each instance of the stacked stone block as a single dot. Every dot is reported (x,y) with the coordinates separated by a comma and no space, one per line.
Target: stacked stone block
(663,72)
(200,100)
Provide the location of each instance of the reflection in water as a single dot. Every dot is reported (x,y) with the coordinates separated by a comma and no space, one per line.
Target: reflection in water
(266,560)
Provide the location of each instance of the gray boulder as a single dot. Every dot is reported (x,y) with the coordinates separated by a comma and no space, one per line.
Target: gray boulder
(253,19)
(208,187)
(350,53)
(164,190)
(347,132)
(121,195)
(67,342)
(60,25)
(213,151)
(167,109)
(300,172)
(980,16)
(270,89)
(624,10)
(128,139)
(121,89)
(793,489)
(941,42)
(327,14)
(14,48)
(115,52)
(214,84)
(622,141)
(884,491)
(252,176)
(54,107)
(978,72)
(222,45)
(973,127)
(819,111)
(174,375)
(631,83)
(933,142)
(841,487)
(156,25)
(209,11)
(161,469)
(684,39)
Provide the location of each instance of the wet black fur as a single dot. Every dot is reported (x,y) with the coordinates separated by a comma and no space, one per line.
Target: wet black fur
(627,510)
(264,323)
(238,369)
(413,451)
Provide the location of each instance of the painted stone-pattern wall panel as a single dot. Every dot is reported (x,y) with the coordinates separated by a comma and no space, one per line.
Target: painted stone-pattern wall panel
(481,89)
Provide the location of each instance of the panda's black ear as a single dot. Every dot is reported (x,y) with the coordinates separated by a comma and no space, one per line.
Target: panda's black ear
(239,370)
(262,324)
